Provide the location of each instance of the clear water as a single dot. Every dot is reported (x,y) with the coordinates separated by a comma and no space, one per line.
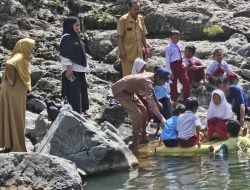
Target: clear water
(175,173)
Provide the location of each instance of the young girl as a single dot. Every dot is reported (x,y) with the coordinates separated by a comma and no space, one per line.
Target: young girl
(219,67)
(219,112)
(138,66)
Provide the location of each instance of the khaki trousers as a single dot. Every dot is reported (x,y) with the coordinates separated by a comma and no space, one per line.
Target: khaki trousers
(127,67)
(137,112)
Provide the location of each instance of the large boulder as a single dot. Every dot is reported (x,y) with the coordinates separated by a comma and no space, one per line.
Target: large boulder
(93,150)
(102,44)
(37,171)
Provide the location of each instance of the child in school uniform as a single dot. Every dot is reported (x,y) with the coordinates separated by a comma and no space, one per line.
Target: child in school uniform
(169,133)
(234,143)
(219,111)
(195,68)
(219,67)
(162,95)
(189,125)
(138,66)
(175,66)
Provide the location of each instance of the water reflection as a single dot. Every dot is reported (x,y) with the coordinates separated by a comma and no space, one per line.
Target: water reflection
(172,173)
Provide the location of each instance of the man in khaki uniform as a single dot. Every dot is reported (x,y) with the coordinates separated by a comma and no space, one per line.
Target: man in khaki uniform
(125,91)
(131,33)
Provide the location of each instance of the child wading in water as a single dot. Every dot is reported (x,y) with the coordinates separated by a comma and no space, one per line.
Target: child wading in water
(169,133)
(219,111)
(189,125)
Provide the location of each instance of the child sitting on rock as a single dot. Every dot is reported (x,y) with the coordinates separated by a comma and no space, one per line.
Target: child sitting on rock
(189,125)
(219,111)
(234,143)
(169,133)
(219,67)
(195,68)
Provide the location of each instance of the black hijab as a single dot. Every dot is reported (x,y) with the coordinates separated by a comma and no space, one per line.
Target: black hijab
(71,46)
(68,25)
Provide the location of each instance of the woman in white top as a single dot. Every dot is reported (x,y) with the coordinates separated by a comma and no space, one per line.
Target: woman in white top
(74,66)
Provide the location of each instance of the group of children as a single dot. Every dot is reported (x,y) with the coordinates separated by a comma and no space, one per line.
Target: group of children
(190,70)
(182,126)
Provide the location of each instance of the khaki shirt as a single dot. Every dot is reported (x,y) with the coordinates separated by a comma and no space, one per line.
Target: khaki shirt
(132,32)
(134,84)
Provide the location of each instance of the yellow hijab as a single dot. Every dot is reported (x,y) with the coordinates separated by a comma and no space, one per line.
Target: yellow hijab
(20,59)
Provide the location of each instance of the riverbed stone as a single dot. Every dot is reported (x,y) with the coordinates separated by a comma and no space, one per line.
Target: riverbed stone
(73,137)
(37,171)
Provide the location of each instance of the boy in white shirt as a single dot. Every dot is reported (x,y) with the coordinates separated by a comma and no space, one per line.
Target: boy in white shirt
(189,125)
(175,67)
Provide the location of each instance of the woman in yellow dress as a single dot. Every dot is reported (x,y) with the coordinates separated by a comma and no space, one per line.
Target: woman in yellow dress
(16,82)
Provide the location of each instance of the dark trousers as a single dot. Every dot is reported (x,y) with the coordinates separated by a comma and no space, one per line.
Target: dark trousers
(236,110)
(166,110)
(76,92)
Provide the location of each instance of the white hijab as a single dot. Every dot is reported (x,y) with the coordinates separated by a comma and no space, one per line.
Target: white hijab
(137,66)
(222,111)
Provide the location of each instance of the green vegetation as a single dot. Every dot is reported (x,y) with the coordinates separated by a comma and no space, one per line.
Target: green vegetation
(213,31)
(103,15)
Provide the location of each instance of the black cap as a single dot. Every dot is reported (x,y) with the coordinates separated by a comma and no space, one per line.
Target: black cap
(162,73)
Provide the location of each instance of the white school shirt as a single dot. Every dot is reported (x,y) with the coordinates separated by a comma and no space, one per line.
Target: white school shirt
(213,66)
(187,123)
(186,61)
(75,67)
(172,53)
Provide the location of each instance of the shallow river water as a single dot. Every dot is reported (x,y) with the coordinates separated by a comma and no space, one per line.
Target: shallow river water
(157,173)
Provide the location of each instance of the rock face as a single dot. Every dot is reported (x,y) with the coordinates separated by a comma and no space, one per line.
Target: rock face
(93,150)
(37,171)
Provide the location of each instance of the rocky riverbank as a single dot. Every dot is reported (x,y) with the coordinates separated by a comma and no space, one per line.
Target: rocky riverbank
(207,24)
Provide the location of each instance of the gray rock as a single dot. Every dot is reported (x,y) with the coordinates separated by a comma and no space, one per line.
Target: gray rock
(102,44)
(37,171)
(106,72)
(236,41)
(245,50)
(79,140)
(245,73)
(36,105)
(111,58)
(39,127)
(116,115)
(11,34)
(30,120)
